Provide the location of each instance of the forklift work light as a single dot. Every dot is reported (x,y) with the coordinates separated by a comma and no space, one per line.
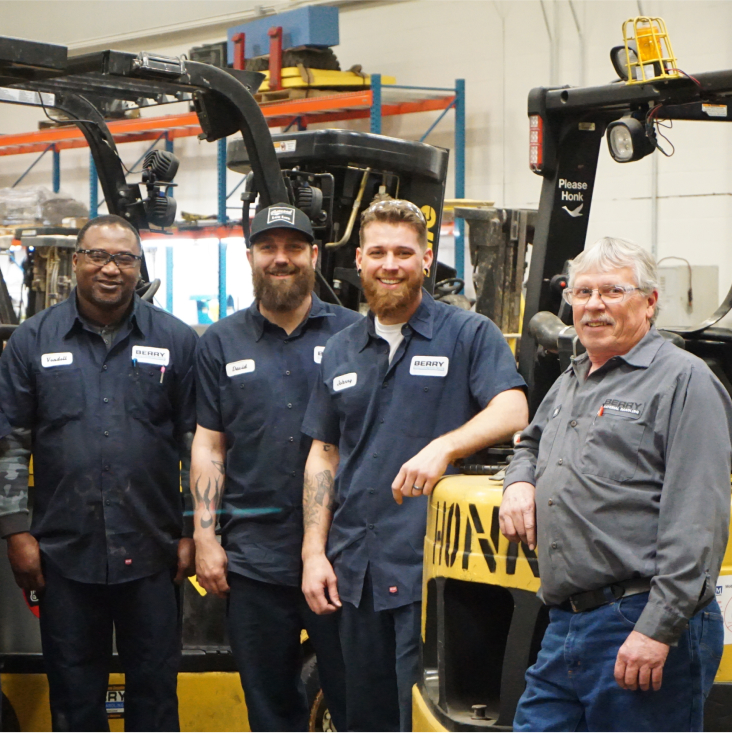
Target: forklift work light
(648,52)
(629,139)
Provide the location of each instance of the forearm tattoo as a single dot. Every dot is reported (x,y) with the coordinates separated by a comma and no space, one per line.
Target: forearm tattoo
(318,492)
(205,498)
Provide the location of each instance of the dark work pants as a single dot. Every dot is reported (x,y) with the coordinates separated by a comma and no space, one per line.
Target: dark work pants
(381,654)
(265,621)
(77,620)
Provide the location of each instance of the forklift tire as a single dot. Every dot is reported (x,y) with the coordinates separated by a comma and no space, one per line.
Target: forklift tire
(9,720)
(320,719)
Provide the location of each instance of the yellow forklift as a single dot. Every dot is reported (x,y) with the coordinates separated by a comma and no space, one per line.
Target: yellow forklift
(482,624)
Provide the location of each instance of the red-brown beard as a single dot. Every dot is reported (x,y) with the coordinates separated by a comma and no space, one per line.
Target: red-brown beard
(389,303)
(280,296)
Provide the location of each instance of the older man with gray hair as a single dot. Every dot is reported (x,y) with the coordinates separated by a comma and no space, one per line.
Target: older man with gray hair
(622,480)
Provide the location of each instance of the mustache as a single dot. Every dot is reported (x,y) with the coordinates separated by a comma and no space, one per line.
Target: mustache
(605,320)
(287,270)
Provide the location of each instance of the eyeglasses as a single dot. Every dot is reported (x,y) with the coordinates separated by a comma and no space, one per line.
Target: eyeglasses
(395,205)
(100,258)
(607,293)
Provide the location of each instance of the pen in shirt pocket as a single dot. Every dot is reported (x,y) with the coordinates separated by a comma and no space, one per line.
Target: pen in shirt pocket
(601,411)
(162,374)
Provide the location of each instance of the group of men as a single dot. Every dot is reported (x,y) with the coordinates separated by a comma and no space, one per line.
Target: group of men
(314,436)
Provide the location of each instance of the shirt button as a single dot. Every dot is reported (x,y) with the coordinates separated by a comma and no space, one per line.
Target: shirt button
(382,421)
(106,467)
(573,423)
(384,386)
(106,433)
(292,440)
(105,367)
(287,373)
(375,455)
(426,389)
(371,526)
(289,405)
(371,491)
(106,399)
(107,502)
(551,502)
(292,473)
(560,461)
(554,545)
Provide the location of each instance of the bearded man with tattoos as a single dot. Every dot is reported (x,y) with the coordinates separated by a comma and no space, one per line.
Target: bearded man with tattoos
(255,370)
(403,393)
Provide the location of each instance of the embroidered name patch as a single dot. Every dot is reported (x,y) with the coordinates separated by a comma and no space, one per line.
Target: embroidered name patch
(64,358)
(345,381)
(281,213)
(621,406)
(151,355)
(240,367)
(429,366)
(318,354)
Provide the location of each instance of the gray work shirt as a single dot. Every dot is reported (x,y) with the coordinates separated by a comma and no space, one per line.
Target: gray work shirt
(632,472)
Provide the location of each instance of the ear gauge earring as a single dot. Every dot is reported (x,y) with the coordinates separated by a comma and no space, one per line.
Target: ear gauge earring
(426,271)
(358,271)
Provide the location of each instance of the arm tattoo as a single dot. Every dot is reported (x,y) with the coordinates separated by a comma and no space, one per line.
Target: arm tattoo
(210,502)
(319,492)
(327,447)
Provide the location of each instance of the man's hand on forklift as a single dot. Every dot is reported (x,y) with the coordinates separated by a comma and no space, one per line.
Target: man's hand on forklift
(25,560)
(211,564)
(517,516)
(418,476)
(320,585)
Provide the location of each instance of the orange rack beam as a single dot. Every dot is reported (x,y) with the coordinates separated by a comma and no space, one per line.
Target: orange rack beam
(330,108)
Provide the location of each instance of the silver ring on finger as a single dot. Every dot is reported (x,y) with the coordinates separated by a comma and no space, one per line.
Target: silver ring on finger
(417,489)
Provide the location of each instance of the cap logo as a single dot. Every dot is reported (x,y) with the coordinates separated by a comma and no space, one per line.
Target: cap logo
(281,213)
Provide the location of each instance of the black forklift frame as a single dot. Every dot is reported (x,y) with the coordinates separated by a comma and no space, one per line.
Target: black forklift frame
(222,98)
(574,123)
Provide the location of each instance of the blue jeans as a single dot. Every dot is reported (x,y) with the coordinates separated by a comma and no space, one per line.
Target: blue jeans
(572,687)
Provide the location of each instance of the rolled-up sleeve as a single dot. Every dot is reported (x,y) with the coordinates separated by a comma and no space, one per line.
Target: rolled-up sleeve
(694,510)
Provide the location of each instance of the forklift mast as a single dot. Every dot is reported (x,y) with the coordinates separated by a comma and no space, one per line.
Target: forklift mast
(569,124)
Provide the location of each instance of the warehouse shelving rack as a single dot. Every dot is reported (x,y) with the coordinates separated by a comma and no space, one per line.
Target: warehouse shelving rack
(373,103)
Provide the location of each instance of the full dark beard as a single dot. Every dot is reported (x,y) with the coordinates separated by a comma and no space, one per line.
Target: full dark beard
(389,303)
(280,296)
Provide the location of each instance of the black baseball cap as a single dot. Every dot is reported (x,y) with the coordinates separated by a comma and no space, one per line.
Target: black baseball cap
(280,216)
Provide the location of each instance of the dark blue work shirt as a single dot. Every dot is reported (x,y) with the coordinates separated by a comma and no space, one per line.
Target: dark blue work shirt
(107,502)
(449,366)
(253,385)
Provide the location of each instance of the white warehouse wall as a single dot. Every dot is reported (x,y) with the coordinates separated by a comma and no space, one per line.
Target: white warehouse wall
(502,49)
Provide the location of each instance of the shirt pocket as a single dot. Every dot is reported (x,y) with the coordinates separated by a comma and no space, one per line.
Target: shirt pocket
(423,400)
(246,400)
(60,395)
(611,448)
(147,398)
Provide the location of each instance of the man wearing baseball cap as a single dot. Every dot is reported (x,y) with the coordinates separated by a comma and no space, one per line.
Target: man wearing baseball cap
(255,370)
